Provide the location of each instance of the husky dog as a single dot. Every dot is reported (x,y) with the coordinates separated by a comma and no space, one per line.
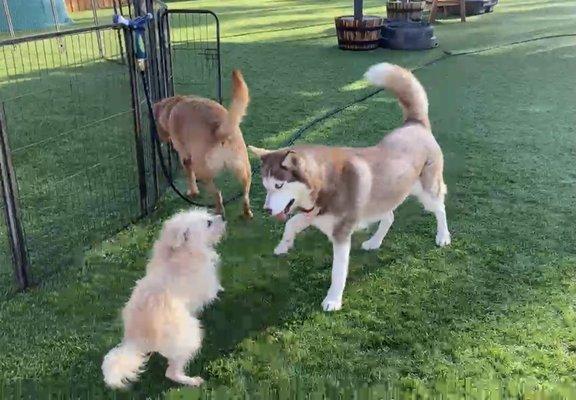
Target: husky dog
(342,189)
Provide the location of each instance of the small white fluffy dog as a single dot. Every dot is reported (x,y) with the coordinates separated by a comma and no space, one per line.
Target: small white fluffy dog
(181,278)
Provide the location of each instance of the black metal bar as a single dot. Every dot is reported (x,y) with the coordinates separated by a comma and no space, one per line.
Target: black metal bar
(219,83)
(358,9)
(154,85)
(137,120)
(137,5)
(169,69)
(170,86)
(12,209)
(201,11)
(118,7)
(164,43)
(52,35)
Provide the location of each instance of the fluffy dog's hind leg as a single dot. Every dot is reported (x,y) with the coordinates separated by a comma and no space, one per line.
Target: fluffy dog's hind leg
(176,372)
(182,345)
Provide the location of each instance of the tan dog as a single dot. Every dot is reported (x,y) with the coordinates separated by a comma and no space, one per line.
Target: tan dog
(341,189)
(181,278)
(208,139)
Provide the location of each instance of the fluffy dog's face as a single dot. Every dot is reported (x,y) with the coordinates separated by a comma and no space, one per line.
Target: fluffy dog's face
(193,229)
(283,176)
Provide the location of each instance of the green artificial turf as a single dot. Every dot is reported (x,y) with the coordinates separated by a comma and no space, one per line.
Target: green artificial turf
(492,315)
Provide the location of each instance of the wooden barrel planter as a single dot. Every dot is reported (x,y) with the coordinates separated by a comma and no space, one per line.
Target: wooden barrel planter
(358,34)
(400,11)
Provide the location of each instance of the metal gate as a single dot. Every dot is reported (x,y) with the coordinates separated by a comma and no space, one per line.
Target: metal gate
(77,157)
(190,52)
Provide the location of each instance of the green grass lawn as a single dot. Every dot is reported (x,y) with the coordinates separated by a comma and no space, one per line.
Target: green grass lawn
(491,315)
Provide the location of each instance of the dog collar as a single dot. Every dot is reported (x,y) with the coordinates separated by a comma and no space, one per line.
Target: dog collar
(310,212)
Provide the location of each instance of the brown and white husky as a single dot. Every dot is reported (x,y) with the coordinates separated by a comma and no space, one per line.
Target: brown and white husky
(342,189)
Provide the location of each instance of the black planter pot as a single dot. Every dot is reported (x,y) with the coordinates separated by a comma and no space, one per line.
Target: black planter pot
(408,35)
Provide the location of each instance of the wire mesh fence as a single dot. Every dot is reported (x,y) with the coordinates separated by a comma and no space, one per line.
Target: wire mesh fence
(194,53)
(70,121)
(192,66)
(20,18)
(79,149)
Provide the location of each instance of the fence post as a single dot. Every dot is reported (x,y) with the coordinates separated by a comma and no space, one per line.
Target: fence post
(219,83)
(138,142)
(163,44)
(168,79)
(154,86)
(12,209)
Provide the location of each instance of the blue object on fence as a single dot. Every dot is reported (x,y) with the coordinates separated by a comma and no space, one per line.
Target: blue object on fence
(32,15)
(138,25)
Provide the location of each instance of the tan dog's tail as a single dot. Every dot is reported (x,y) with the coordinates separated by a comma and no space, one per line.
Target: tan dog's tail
(238,106)
(406,88)
(122,365)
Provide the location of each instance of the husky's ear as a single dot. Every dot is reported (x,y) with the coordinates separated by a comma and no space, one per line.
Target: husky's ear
(292,160)
(258,152)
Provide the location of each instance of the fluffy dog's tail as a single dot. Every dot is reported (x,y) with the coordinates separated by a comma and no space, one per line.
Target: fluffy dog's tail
(238,106)
(410,93)
(122,365)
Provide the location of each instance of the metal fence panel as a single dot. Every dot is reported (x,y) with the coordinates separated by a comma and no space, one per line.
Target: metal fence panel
(79,145)
(70,126)
(193,53)
(189,63)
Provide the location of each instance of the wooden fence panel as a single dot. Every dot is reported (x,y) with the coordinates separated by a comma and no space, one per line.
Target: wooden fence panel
(82,5)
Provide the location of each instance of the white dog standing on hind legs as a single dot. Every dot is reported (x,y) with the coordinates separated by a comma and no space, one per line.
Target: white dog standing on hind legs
(341,189)
(181,278)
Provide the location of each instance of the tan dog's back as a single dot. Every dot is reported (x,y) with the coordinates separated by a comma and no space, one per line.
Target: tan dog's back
(208,138)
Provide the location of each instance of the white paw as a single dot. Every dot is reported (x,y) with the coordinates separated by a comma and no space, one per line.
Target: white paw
(371,245)
(182,379)
(282,248)
(195,381)
(443,239)
(330,304)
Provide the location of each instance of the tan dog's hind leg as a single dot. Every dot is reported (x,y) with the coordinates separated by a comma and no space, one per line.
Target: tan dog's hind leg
(214,191)
(192,185)
(244,175)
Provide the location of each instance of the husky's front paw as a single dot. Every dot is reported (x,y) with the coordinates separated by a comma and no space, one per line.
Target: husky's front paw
(331,304)
(371,244)
(282,248)
(443,239)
